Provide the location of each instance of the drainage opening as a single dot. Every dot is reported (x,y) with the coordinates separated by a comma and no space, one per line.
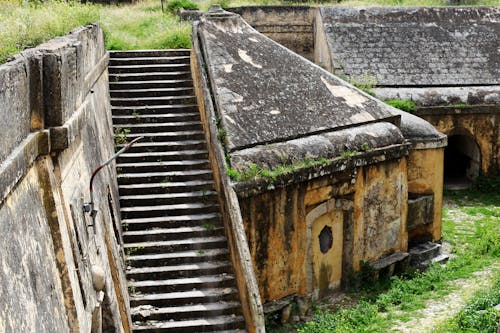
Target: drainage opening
(462,162)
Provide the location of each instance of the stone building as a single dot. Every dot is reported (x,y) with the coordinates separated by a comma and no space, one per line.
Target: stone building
(326,176)
(444,59)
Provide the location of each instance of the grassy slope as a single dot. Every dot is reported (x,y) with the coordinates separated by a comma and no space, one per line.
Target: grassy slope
(138,26)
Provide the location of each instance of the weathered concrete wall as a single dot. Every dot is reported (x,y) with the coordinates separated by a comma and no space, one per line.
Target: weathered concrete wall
(371,201)
(30,289)
(425,178)
(248,291)
(45,181)
(480,123)
(291,26)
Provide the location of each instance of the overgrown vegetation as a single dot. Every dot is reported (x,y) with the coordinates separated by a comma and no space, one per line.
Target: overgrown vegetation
(141,25)
(174,5)
(402,104)
(254,171)
(396,299)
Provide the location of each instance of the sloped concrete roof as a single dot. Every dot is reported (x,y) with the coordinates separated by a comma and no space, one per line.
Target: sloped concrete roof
(265,93)
(415,46)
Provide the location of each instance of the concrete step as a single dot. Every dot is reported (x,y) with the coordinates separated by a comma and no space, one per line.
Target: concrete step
(151,84)
(167,198)
(163,100)
(198,243)
(160,127)
(424,252)
(178,146)
(141,167)
(189,220)
(184,270)
(177,258)
(149,53)
(164,177)
(211,324)
(166,187)
(155,76)
(163,234)
(153,109)
(138,118)
(168,210)
(150,92)
(184,297)
(184,155)
(194,311)
(150,60)
(167,136)
(149,68)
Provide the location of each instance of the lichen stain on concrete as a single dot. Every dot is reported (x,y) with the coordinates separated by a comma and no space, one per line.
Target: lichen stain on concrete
(246,58)
(351,97)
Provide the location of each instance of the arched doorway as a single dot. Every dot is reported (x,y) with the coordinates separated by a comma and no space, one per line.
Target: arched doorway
(462,162)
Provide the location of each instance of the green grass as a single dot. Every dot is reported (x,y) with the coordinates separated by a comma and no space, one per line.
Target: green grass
(253,171)
(405,105)
(142,25)
(174,5)
(137,26)
(383,302)
(478,315)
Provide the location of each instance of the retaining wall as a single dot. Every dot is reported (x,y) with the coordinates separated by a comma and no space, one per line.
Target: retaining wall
(56,129)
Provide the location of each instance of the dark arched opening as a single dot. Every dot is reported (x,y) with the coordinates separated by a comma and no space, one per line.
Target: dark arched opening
(462,162)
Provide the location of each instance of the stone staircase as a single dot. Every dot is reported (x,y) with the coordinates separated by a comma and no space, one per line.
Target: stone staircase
(178,266)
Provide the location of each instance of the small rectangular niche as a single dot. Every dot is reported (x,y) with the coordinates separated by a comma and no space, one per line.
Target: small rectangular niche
(420,210)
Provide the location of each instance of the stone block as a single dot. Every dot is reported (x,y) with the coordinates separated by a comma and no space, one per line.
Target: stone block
(420,210)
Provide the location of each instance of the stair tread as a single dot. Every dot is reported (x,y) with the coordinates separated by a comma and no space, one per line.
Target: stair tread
(168,207)
(156,134)
(165,173)
(181,254)
(169,144)
(148,66)
(216,320)
(168,123)
(150,98)
(153,107)
(156,115)
(181,153)
(148,73)
(209,292)
(185,217)
(194,240)
(180,267)
(161,163)
(166,185)
(221,305)
(179,230)
(153,58)
(193,194)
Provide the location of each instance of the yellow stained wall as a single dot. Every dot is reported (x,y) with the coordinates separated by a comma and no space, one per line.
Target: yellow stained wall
(483,128)
(425,176)
(380,207)
(276,229)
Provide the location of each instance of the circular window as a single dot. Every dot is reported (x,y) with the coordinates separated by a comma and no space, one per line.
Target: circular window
(325,239)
